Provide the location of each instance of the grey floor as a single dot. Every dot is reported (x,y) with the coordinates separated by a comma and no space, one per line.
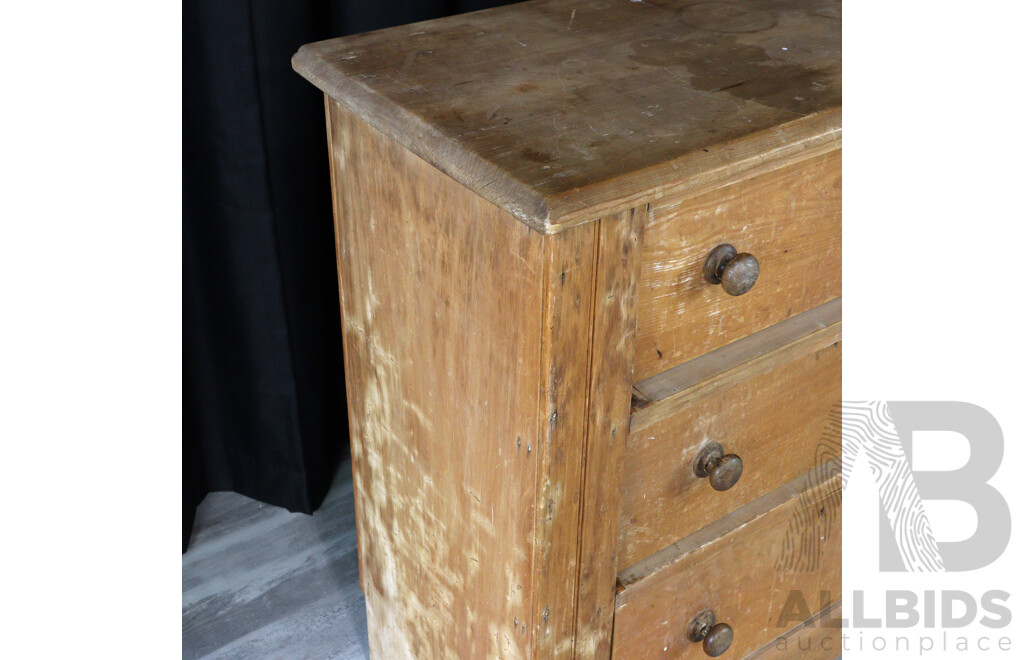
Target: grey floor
(260,582)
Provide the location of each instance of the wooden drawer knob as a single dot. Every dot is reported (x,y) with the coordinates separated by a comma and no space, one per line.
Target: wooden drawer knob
(722,470)
(737,273)
(717,637)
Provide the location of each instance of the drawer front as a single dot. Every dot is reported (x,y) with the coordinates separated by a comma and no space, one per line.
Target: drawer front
(789,219)
(746,576)
(774,421)
(818,638)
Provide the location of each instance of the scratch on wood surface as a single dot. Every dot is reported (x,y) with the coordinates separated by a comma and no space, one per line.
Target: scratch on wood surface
(432,564)
(710,91)
(407,63)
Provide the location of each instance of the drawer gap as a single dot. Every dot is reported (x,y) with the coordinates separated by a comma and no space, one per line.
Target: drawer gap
(818,626)
(742,359)
(822,476)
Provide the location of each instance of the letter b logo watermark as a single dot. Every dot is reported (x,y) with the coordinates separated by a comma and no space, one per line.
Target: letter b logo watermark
(884,431)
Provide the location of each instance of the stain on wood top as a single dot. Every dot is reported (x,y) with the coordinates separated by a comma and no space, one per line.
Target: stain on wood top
(558,111)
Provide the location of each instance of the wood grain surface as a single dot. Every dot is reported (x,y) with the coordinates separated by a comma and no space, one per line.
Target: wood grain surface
(747,357)
(481,358)
(745,568)
(790,219)
(562,112)
(818,638)
(618,270)
(445,544)
(773,421)
(570,263)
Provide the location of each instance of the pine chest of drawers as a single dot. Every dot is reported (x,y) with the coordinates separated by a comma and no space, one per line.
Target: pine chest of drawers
(589,256)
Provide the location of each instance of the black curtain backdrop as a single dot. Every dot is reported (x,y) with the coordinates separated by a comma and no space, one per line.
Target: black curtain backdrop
(264,401)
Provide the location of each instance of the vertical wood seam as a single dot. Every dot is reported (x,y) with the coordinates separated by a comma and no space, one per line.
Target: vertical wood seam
(585,450)
(545,341)
(570,406)
(615,326)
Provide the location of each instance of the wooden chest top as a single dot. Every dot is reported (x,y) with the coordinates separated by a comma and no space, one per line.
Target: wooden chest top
(560,111)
